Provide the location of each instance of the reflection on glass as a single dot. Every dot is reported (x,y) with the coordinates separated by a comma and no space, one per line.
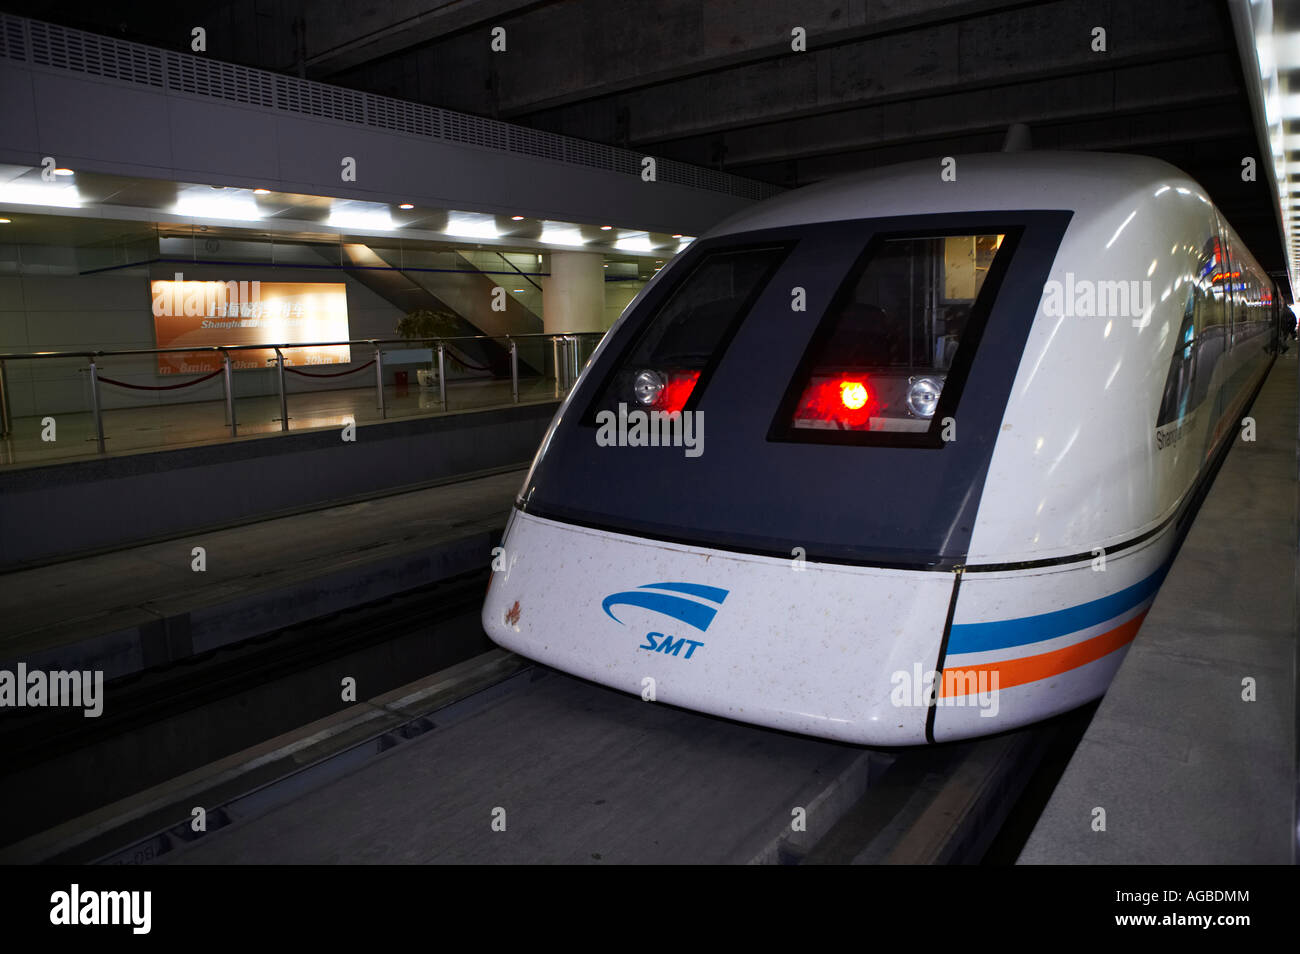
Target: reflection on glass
(896,335)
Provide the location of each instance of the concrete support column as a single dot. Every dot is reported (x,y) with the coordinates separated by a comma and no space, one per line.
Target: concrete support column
(573,296)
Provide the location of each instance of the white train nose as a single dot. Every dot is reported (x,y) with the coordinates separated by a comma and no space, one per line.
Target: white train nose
(842,652)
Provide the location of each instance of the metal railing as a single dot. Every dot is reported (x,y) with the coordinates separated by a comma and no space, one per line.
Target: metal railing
(567,359)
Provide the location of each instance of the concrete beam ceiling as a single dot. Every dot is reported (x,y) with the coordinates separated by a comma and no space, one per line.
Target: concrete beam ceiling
(717,84)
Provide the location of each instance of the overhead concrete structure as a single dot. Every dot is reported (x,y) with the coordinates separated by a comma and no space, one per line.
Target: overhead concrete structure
(864,84)
(95,105)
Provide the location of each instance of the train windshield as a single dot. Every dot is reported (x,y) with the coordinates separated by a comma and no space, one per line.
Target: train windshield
(885,360)
(835,387)
(670,360)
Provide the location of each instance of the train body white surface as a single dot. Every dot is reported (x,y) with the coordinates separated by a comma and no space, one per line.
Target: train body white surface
(1038,366)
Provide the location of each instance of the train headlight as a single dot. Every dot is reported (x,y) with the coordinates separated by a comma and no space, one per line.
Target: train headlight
(647,386)
(923,396)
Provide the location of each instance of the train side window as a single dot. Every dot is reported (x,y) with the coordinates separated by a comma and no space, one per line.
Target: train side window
(1208,296)
(897,341)
(1180,394)
(1214,280)
(1230,279)
(671,358)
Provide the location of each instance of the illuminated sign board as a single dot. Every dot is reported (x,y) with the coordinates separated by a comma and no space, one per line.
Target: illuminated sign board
(203,314)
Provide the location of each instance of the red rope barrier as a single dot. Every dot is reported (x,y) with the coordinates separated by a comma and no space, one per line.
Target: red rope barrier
(336,374)
(473,367)
(161,387)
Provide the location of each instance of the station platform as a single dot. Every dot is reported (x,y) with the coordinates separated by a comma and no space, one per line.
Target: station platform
(132,430)
(67,510)
(135,608)
(1185,769)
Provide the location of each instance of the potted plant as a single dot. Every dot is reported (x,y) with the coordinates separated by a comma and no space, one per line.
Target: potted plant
(424,324)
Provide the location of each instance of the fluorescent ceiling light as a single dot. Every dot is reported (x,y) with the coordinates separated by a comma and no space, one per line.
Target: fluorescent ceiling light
(40,193)
(472,225)
(635,243)
(1288,105)
(200,202)
(560,233)
(361,216)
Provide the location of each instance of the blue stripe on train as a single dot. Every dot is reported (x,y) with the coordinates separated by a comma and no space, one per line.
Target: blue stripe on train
(1003,634)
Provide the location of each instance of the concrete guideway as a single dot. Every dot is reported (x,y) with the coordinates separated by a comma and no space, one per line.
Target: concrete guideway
(1186,770)
(578,774)
(145,825)
(584,775)
(564,756)
(144,606)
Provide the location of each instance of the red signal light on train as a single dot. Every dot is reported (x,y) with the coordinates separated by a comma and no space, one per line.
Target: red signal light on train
(853,395)
(677,390)
(842,402)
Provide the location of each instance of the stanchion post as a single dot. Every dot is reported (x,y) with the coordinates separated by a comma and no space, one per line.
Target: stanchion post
(230,393)
(514,370)
(94,405)
(6,425)
(442,374)
(379,380)
(555,362)
(284,401)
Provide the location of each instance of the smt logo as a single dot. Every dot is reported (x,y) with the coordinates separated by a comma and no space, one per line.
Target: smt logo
(103,907)
(659,643)
(691,603)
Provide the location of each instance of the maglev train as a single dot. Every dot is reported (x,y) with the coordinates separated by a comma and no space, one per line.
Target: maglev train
(897,458)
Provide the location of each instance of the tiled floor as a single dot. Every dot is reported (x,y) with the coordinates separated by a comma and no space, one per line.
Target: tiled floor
(133,430)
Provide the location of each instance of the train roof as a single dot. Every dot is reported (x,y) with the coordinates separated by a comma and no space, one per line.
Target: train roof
(1077,181)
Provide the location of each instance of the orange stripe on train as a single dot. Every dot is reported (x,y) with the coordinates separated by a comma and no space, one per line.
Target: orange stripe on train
(1017,672)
